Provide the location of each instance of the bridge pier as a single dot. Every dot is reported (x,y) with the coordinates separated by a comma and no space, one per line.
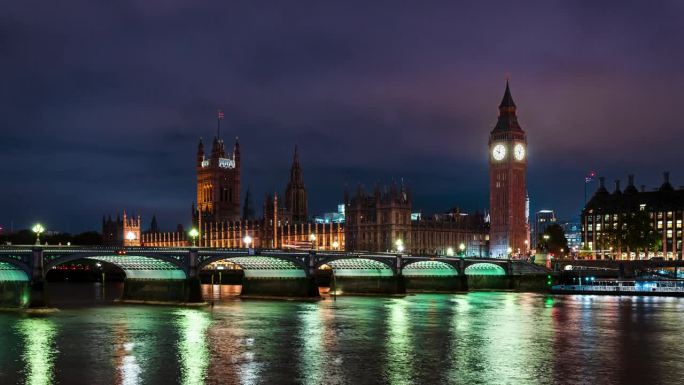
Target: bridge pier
(280,287)
(371,285)
(193,282)
(436,284)
(37,291)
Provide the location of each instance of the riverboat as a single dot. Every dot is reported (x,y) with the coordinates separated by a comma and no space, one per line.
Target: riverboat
(673,288)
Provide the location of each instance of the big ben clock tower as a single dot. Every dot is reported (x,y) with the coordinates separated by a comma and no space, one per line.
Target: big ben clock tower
(508,232)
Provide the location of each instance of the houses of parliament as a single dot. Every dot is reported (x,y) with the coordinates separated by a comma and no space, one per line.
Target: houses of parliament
(375,221)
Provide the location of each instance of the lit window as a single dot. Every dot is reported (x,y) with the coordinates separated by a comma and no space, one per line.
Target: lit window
(598,227)
(679,223)
(660,224)
(642,207)
(669,233)
(669,224)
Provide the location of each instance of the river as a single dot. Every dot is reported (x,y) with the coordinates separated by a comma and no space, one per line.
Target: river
(475,338)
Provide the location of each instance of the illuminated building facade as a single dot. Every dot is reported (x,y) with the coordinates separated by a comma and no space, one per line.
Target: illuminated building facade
(122,231)
(375,222)
(542,220)
(509,230)
(218,183)
(608,213)
(220,225)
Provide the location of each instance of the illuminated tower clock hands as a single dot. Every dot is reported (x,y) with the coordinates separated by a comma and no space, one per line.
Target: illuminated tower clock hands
(519,151)
(499,152)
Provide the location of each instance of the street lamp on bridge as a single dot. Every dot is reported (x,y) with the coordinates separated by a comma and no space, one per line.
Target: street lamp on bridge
(461,249)
(194,234)
(38,229)
(312,238)
(247,240)
(450,251)
(400,245)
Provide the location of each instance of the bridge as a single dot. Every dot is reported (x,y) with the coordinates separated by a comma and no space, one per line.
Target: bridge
(172,274)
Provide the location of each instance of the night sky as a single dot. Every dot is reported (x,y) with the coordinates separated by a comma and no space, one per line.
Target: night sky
(102,102)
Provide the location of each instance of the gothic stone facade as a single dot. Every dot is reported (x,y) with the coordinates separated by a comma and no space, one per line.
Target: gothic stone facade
(507,191)
(121,232)
(374,223)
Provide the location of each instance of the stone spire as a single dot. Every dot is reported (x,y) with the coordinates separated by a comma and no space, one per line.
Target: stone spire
(508,120)
(295,193)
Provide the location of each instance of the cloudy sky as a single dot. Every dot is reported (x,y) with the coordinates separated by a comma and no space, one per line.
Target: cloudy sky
(102,102)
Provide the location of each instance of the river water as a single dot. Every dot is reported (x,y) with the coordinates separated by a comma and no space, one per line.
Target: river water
(475,338)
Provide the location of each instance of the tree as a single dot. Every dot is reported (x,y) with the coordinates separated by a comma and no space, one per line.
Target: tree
(639,233)
(556,242)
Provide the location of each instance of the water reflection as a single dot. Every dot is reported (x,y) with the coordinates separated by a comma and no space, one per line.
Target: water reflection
(478,338)
(313,354)
(39,349)
(398,343)
(193,352)
(127,365)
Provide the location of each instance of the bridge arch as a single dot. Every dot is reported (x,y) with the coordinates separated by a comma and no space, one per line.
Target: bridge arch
(361,266)
(136,266)
(429,268)
(262,266)
(13,270)
(484,268)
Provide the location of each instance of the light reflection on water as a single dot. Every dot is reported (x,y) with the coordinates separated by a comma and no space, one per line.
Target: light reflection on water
(193,353)
(478,338)
(39,351)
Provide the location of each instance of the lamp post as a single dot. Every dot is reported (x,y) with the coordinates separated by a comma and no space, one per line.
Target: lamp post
(38,229)
(461,249)
(130,237)
(400,245)
(450,251)
(546,242)
(312,238)
(194,234)
(247,240)
(509,251)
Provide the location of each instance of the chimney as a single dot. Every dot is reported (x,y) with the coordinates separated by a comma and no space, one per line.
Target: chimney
(617,185)
(631,180)
(666,177)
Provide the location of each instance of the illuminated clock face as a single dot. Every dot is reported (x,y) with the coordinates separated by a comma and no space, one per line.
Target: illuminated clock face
(519,151)
(499,152)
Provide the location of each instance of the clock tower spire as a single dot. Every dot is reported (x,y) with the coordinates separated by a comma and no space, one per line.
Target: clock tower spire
(509,233)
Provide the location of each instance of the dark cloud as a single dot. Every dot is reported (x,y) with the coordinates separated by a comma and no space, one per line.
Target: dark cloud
(102,103)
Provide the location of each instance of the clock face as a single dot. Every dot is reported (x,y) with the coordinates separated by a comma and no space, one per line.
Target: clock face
(499,152)
(519,151)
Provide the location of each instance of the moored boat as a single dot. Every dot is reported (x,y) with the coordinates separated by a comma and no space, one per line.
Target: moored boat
(662,287)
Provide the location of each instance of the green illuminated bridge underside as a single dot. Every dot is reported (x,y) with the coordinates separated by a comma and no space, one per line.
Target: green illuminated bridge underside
(137,267)
(9,273)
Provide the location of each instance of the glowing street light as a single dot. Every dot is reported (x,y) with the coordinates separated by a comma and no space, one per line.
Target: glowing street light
(194,234)
(38,229)
(335,245)
(400,245)
(312,238)
(130,236)
(450,252)
(247,240)
(509,251)
(461,248)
